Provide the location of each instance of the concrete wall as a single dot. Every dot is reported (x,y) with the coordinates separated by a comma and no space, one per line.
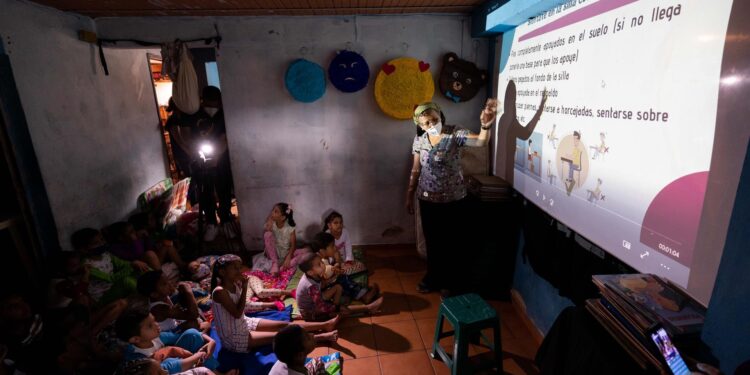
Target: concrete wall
(339,152)
(95,136)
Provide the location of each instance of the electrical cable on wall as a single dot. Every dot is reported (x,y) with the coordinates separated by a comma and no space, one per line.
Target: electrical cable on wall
(90,37)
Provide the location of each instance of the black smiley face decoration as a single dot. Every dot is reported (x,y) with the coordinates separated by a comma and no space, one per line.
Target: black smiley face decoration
(349,71)
(460,80)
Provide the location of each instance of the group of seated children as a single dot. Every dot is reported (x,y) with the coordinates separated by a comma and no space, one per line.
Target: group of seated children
(321,288)
(187,352)
(171,317)
(280,243)
(237,331)
(118,275)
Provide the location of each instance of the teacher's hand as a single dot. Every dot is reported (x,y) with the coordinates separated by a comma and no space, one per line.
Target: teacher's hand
(410,203)
(489,112)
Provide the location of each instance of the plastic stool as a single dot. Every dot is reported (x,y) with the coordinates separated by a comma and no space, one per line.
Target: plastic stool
(468,314)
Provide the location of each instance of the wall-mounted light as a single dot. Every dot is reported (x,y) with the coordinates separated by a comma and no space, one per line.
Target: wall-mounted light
(163,92)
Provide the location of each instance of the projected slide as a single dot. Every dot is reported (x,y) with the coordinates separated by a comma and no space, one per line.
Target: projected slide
(621,149)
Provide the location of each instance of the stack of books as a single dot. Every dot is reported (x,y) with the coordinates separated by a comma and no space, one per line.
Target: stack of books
(489,188)
(631,305)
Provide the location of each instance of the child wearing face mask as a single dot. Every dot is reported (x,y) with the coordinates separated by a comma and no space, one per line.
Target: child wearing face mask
(110,278)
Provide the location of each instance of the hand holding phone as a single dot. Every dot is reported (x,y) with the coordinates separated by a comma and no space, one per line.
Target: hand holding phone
(668,351)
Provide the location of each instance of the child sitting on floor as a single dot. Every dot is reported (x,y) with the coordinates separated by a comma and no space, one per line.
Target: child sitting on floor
(323,244)
(69,281)
(171,317)
(125,243)
(240,333)
(110,277)
(334,224)
(259,297)
(280,241)
(291,346)
(26,335)
(175,352)
(79,326)
(200,269)
(149,366)
(146,229)
(82,339)
(144,224)
(316,301)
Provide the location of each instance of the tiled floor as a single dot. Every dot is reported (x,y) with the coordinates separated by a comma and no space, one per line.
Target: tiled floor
(398,340)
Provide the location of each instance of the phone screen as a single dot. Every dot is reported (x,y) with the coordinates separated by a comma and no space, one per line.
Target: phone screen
(669,352)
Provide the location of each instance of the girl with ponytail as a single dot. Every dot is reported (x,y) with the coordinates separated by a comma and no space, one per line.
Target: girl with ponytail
(280,241)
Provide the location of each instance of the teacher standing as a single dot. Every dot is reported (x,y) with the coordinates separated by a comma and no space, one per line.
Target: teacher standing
(438,183)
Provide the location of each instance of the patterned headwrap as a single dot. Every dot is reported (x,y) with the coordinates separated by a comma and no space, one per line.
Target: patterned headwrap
(228,258)
(420,109)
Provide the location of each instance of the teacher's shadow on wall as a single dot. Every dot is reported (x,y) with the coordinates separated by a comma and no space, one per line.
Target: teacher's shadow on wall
(513,128)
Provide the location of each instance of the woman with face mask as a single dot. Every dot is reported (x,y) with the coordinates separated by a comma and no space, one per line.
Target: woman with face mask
(437,181)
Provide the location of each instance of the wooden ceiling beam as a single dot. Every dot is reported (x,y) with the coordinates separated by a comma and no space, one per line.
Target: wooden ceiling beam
(285,7)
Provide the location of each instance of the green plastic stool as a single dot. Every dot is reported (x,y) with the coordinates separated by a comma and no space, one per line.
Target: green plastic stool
(468,314)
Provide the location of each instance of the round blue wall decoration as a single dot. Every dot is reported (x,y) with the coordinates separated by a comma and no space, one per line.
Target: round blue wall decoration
(305,80)
(349,71)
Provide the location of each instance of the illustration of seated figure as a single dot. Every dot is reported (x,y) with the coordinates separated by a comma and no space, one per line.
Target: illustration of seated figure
(596,194)
(574,161)
(552,137)
(551,176)
(601,149)
(530,157)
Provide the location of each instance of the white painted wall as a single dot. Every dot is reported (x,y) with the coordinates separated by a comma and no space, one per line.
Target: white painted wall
(95,136)
(339,152)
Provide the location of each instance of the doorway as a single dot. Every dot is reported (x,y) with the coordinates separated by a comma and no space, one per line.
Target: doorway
(182,162)
(163,92)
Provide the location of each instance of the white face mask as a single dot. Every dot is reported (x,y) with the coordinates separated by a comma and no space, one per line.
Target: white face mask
(435,129)
(211,110)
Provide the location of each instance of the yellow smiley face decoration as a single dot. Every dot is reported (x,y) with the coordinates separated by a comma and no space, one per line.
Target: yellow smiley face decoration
(401,84)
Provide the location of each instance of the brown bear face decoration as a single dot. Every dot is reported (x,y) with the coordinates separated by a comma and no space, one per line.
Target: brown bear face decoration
(460,80)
